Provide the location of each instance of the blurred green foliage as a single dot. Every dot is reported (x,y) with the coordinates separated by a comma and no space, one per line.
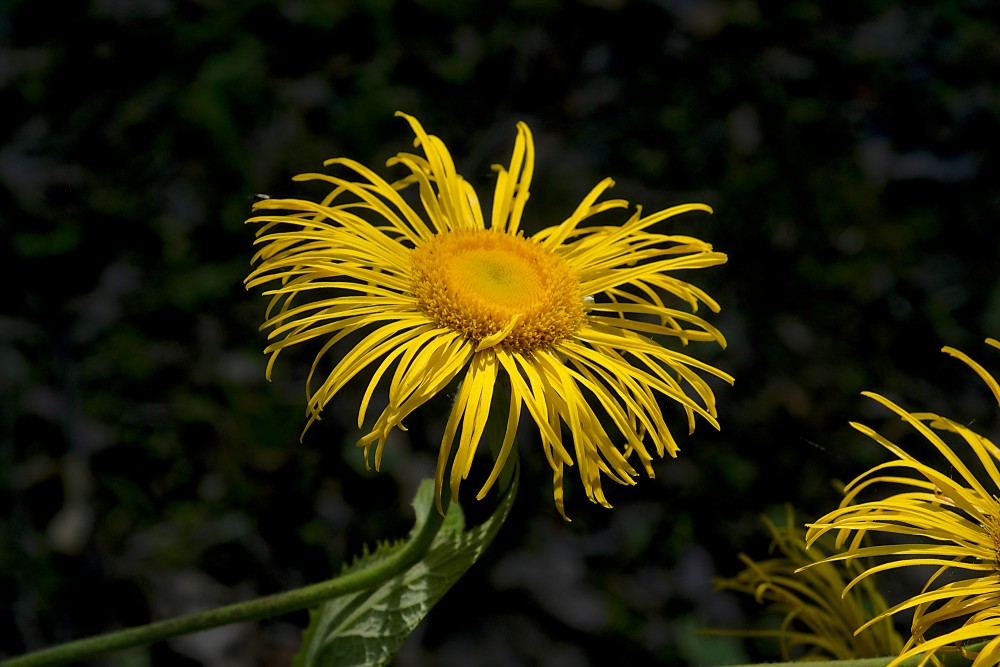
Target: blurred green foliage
(849,150)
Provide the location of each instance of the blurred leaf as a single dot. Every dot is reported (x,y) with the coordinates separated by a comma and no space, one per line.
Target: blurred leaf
(366,628)
(64,239)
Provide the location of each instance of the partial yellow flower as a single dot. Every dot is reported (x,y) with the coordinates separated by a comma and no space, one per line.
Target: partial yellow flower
(422,291)
(816,616)
(947,517)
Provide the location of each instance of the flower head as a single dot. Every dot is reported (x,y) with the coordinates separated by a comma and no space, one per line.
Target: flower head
(816,615)
(947,517)
(422,291)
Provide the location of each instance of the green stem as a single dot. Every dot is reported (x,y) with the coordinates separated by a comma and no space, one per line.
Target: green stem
(265,607)
(947,659)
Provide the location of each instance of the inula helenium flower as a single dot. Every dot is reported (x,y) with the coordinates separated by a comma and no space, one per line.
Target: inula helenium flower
(815,616)
(946,516)
(422,291)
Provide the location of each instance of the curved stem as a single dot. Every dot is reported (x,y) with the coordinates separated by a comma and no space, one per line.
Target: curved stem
(265,607)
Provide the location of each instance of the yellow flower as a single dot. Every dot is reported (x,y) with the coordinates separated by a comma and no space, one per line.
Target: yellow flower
(426,292)
(947,517)
(816,616)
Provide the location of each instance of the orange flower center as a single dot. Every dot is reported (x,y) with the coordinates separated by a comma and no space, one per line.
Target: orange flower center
(497,289)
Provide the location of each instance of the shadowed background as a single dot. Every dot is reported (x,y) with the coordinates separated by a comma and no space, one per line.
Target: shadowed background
(146,467)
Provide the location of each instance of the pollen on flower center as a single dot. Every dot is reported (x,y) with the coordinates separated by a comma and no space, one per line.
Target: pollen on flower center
(502,289)
(992,527)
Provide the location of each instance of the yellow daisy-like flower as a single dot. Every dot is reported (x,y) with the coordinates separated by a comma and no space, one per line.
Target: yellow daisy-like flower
(566,320)
(954,511)
(816,616)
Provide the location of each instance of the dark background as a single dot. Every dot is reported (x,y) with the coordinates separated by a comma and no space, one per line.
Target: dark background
(146,467)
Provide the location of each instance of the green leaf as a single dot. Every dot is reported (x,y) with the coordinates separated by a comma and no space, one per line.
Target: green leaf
(366,628)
